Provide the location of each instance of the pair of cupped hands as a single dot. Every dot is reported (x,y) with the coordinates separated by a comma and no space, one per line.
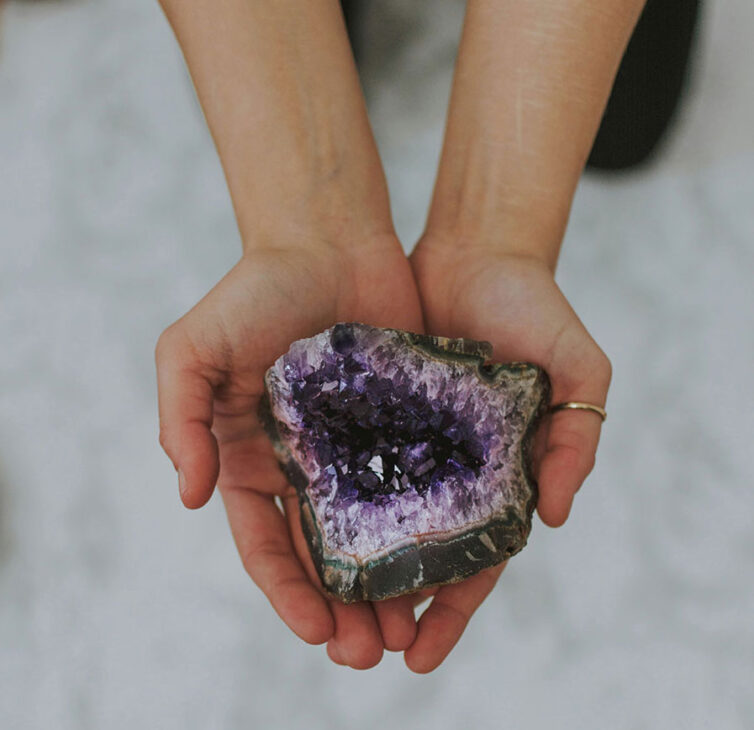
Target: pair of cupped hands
(211,363)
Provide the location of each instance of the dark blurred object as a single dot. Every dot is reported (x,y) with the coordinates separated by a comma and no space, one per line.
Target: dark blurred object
(649,84)
(648,87)
(352,12)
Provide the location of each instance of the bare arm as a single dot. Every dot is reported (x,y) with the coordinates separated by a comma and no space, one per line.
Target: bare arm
(531,83)
(281,95)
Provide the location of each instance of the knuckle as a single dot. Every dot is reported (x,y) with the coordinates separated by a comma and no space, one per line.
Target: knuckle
(259,553)
(569,451)
(596,362)
(602,367)
(166,343)
(607,368)
(451,615)
(166,440)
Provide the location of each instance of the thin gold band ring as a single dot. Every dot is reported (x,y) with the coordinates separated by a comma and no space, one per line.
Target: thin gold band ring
(578,405)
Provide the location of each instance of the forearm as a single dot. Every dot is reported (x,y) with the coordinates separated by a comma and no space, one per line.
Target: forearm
(531,83)
(281,95)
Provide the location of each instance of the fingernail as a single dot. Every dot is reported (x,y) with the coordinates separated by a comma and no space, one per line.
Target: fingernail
(181,483)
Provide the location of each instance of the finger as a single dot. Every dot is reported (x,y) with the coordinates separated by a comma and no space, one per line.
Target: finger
(247,457)
(397,623)
(446,618)
(423,595)
(539,446)
(571,435)
(261,534)
(356,640)
(571,449)
(185,405)
(334,654)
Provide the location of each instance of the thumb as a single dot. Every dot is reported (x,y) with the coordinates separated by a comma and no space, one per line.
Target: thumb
(185,404)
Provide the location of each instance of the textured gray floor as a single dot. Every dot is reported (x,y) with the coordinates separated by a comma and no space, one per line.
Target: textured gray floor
(118,609)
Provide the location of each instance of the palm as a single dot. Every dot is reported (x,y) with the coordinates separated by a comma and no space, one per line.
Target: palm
(266,302)
(211,364)
(515,304)
(212,361)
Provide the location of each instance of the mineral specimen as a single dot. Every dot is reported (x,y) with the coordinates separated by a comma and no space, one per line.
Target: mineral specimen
(410,455)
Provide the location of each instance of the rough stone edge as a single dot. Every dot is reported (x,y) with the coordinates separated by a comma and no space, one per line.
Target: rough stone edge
(425,562)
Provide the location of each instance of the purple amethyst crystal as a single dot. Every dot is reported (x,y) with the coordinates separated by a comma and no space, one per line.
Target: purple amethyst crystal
(410,455)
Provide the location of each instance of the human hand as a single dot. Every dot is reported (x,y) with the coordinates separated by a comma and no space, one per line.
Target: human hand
(210,366)
(513,302)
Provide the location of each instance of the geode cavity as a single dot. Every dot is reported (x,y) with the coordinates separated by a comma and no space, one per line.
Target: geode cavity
(410,455)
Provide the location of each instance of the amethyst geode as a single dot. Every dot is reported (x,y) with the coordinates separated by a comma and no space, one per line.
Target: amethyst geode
(410,455)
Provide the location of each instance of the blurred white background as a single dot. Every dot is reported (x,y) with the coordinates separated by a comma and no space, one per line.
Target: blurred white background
(120,609)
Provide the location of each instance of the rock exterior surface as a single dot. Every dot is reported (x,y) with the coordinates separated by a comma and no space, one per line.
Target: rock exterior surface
(410,455)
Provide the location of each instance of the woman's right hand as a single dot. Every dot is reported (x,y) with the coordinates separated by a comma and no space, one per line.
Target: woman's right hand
(210,366)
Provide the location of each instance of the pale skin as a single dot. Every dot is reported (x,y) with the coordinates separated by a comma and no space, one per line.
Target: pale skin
(282,99)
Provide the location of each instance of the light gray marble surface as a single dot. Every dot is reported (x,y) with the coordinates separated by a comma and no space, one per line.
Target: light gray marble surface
(119,609)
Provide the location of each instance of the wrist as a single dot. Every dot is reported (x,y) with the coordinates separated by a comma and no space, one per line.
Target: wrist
(330,221)
(530,87)
(326,244)
(319,173)
(476,235)
(438,250)
(281,96)
(479,202)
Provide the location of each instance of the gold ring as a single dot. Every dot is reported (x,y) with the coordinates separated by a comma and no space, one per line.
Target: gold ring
(578,405)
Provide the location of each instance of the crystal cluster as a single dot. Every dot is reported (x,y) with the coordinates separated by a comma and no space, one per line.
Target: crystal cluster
(410,455)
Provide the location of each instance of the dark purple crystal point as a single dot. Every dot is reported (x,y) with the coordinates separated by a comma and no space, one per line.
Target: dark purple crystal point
(410,455)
